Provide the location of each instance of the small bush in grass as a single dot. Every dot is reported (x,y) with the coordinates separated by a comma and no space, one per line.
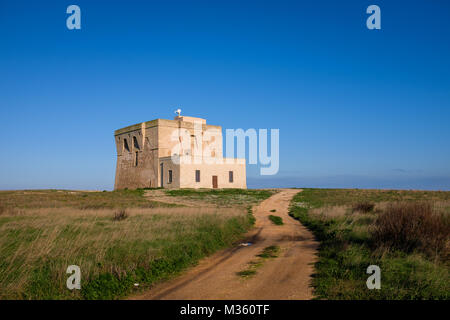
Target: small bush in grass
(120,215)
(364,207)
(276,220)
(412,226)
(273,210)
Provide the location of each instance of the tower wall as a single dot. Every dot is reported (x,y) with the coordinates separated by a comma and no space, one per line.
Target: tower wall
(137,163)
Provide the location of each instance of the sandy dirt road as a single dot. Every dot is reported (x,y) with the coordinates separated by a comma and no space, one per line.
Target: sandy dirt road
(287,276)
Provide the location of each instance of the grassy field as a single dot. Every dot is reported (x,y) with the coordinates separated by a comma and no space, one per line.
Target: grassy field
(405,233)
(223,197)
(117,238)
(32,199)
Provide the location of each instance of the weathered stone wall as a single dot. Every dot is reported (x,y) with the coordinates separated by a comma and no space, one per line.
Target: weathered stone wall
(168,164)
(144,173)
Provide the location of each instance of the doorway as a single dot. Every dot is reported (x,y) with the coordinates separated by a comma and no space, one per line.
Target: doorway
(214,182)
(162,175)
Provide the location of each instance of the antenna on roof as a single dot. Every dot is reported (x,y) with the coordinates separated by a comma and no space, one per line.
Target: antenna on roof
(178,111)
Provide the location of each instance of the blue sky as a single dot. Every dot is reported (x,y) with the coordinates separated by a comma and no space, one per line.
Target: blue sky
(355,107)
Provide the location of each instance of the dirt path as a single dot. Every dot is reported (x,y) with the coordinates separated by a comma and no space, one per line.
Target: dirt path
(287,276)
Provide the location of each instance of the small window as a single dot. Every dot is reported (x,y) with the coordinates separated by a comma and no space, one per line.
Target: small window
(170,176)
(197,175)
(230,176)
(136,160)
(136,144)
(125,145)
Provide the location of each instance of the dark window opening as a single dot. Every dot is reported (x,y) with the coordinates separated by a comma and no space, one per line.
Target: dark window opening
(170,176)
(197,175)
(125,145)
(230,176)
(136,144)
(136,159)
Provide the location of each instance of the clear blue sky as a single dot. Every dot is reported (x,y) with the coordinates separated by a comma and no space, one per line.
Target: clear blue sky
(355,107)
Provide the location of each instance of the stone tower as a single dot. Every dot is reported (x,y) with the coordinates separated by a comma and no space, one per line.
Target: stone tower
(146,154)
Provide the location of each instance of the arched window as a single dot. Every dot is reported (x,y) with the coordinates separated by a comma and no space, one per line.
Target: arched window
(125,145)
(135,143)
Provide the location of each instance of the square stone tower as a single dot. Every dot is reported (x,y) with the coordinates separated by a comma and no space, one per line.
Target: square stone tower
(180,153)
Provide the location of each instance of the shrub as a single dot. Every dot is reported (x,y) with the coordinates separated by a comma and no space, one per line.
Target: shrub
(120,215)
(364,207)
(412,226)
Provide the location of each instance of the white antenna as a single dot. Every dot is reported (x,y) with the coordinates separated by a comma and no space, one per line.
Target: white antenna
(178,111)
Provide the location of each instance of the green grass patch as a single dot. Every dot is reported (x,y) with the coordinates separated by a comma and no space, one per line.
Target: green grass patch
(320,197)
(270,252)
(246,273)
(276,220)
(347,248)
(223,197)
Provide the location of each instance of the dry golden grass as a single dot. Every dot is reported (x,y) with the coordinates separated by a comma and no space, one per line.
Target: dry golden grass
(116,238)
(330,211)
(34,239)
(30,199)
(410,226)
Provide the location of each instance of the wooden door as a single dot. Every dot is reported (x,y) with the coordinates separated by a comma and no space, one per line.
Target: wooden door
(214,182)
